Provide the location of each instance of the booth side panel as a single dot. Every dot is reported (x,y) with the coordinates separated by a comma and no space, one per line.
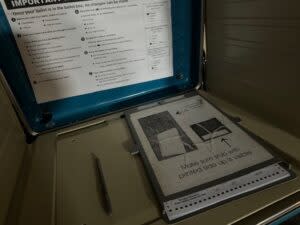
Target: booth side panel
(253,52)
(12,149)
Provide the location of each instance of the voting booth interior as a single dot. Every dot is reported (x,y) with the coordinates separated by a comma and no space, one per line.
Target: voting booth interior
(70,71)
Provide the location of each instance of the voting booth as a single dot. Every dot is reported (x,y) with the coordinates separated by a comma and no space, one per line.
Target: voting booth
(107,118)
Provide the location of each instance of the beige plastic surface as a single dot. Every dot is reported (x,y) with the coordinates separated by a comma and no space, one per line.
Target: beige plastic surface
(61,188)
(12,148)
(35,200)
(78,197)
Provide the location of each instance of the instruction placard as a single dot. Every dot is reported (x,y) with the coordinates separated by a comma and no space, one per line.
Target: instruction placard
(76,47)
(189,143)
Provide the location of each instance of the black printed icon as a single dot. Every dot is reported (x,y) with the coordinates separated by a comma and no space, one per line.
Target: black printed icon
(13,19)
(158,128)
(226,141)
(82,39)
(34,82)
(19,35)
(90,73)
(76,11)
(86,52)
(210,129)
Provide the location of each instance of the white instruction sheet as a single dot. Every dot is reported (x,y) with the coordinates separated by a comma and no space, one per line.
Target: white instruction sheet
(73,47)
(189,143)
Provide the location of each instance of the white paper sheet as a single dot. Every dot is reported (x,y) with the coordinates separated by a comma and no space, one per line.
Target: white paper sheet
(214,147)
(81,47)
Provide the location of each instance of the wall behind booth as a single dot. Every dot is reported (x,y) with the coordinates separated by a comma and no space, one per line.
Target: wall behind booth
(253,57)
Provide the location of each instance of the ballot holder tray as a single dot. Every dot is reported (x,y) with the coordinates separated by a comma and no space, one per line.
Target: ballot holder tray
(197,158)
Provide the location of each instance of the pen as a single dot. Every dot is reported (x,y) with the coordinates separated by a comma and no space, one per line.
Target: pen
(106,199)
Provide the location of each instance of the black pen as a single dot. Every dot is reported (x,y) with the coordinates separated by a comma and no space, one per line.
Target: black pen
(104,191)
